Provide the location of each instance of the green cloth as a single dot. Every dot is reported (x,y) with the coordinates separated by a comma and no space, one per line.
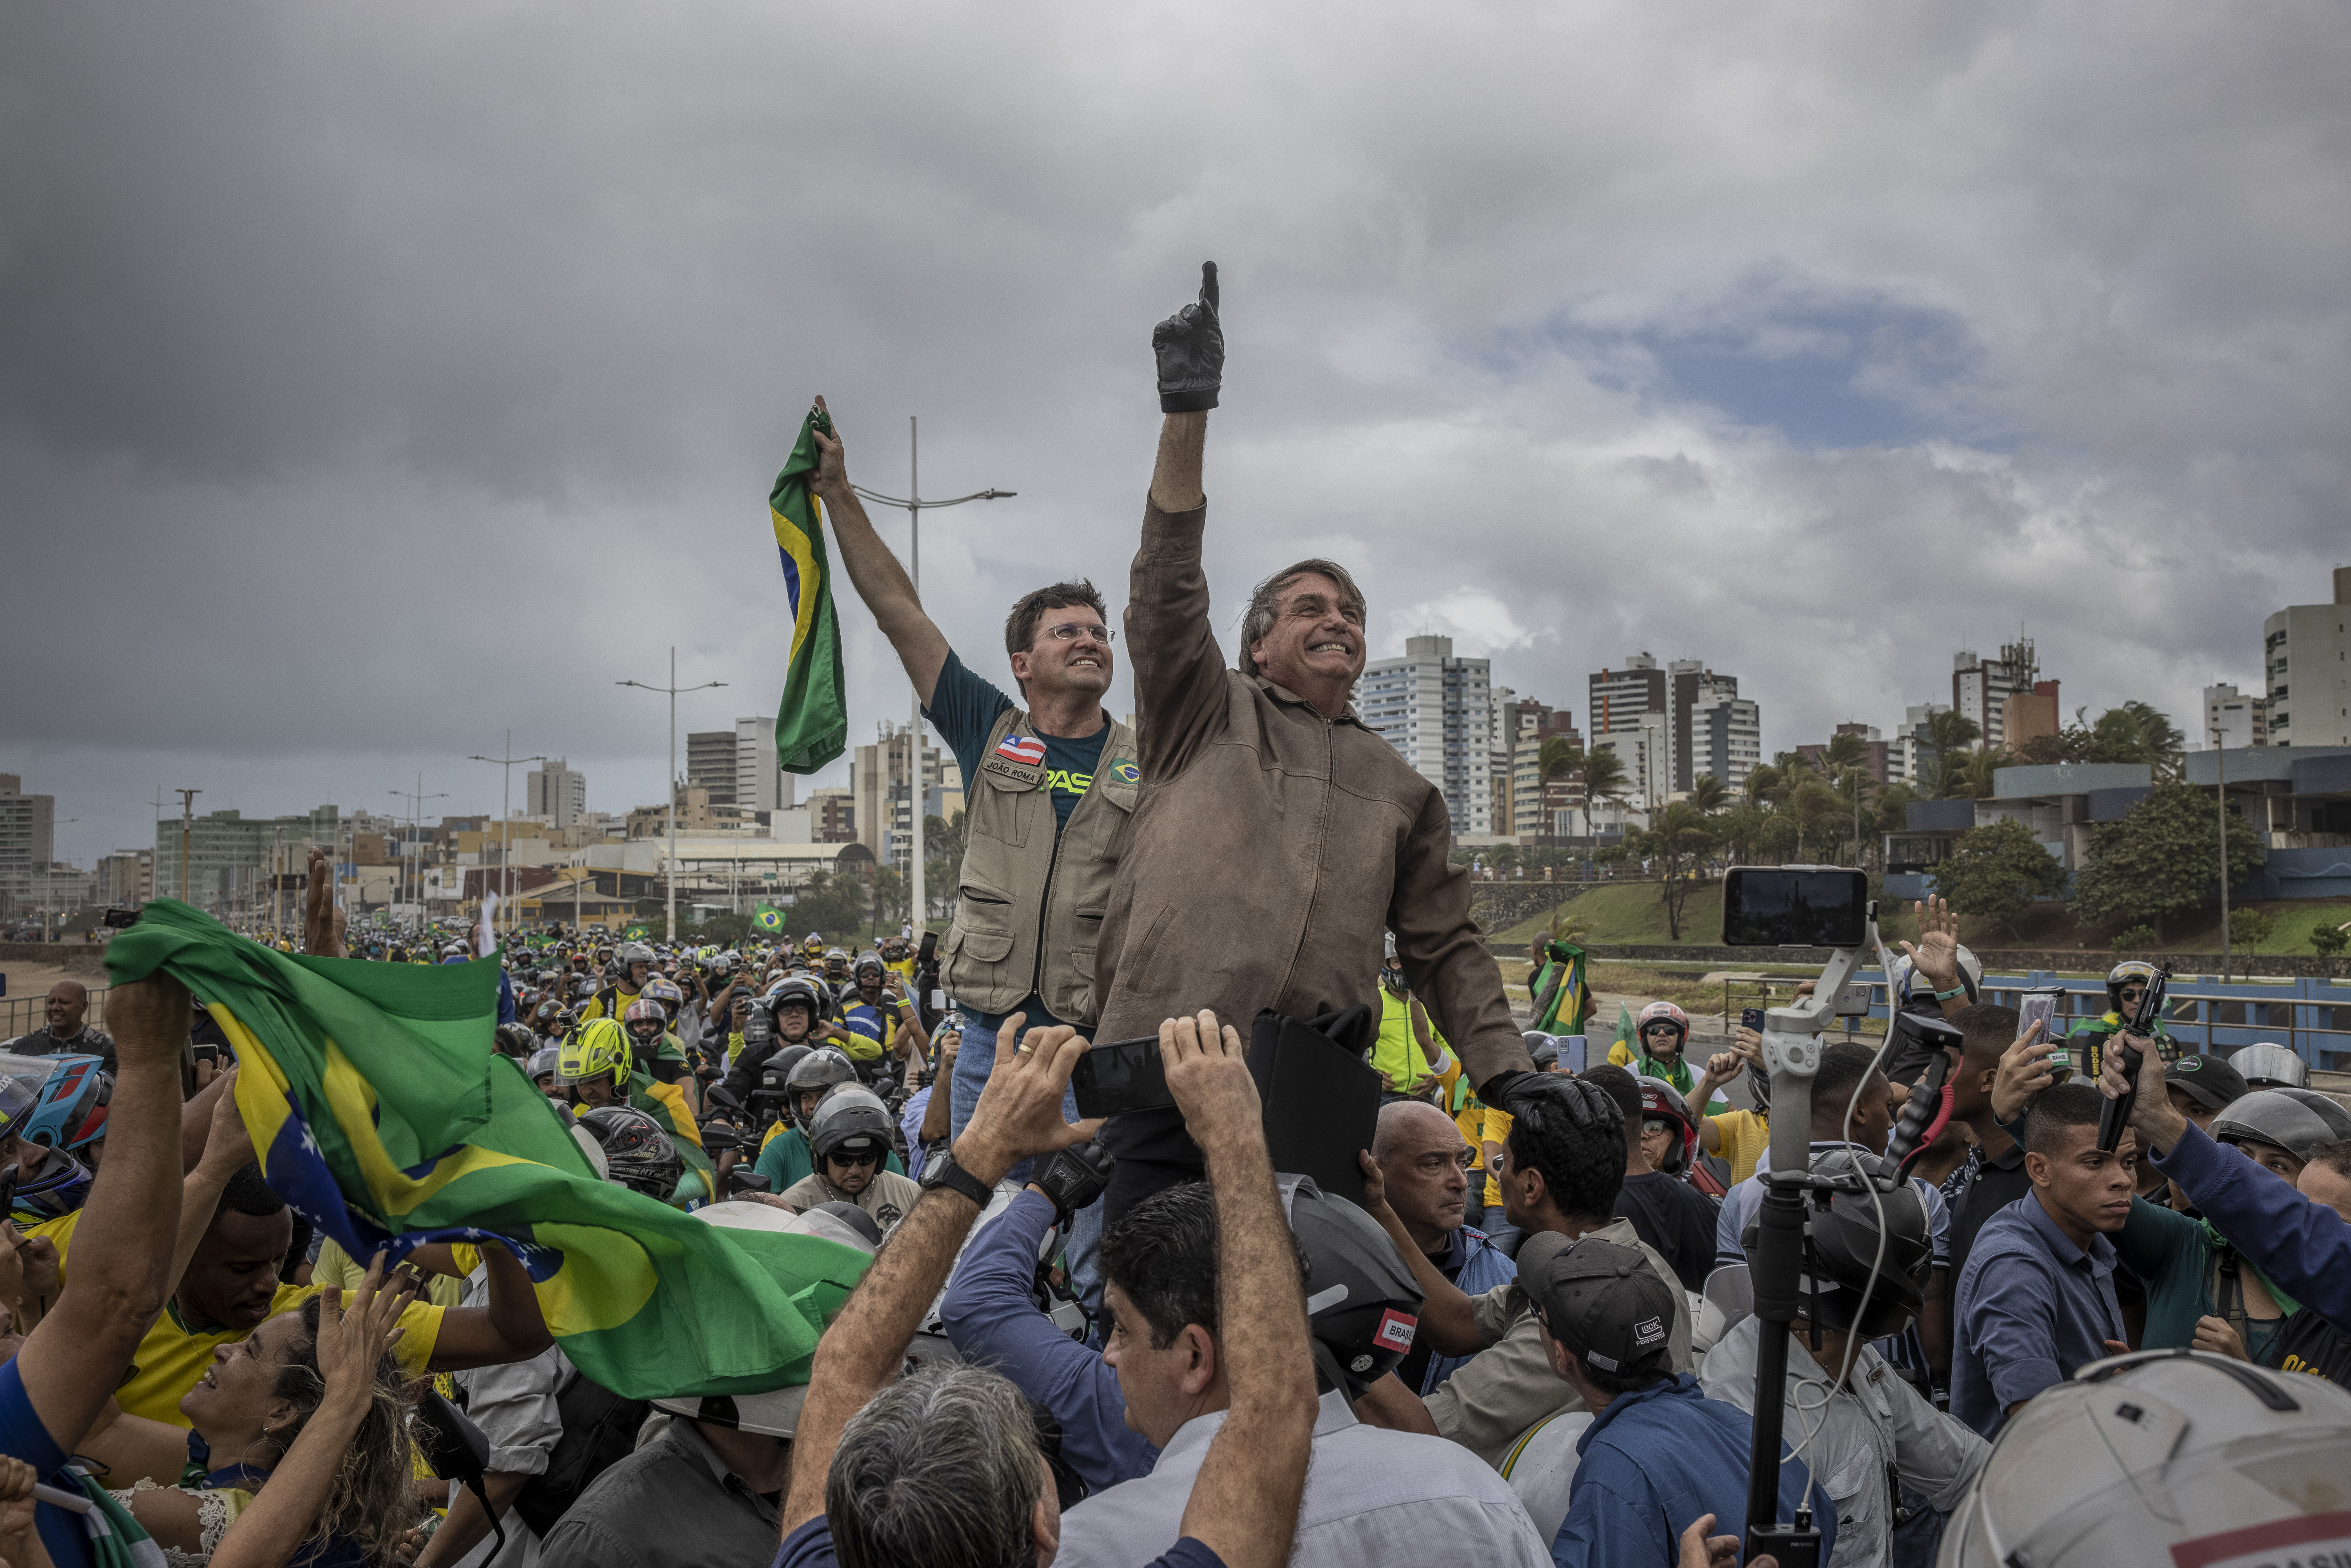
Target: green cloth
(785,1160)
(2172,1254)
(382,1112)
(116,1540)
(1562,991)
(812,717)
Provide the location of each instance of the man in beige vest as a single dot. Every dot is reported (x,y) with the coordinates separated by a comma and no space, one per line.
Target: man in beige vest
(1049,788)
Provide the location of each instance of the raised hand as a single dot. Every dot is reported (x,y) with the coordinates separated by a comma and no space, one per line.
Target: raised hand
(1208,1073)
(831,457)
(1190,348)
(1019,1110)
(1937,956)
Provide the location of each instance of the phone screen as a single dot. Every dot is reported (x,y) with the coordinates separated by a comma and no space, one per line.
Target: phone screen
(1121,1076)
(1793,906)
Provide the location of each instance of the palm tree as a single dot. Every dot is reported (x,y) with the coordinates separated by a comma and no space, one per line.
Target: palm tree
(1763,783)
(1707,794)
(1604,777)
(1948,734)
(1811,804)
(1969,773)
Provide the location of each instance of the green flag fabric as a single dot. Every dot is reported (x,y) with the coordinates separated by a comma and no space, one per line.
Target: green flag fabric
(768,918)
(382,1112)
(812,719)
(1562,992)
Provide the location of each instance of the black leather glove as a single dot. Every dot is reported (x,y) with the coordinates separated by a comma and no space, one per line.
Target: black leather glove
(1076,1178)
(1496,1091)
(1190,347)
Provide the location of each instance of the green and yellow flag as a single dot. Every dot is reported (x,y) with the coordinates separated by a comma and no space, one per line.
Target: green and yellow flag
(1562,992)
(769,919)
(812,719)
(382,1112)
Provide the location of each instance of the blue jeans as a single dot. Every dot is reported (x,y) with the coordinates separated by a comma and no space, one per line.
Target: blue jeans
(973,1064)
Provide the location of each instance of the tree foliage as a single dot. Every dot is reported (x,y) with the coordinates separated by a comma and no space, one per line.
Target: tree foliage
(2133,732)
(2162,861)
(1996,870)
(1676,844)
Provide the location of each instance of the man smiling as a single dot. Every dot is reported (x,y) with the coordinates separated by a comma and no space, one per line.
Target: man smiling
(1278,838)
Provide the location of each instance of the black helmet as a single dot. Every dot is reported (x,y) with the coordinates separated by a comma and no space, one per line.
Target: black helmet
(776,1072)
(2294,1120)
(796,989)
(850,1116)
(1361,1305)
(1540,1047)
(637,1152)
(1841,1248)
(822,1068)
(516,1041)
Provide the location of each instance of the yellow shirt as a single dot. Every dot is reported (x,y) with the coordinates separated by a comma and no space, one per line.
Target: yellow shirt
(1745,1136)
(621,998)
(1396,1053)
(171,1359)
(1495,1128)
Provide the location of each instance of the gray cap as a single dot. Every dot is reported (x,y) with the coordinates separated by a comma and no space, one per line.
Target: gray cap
(1601,1301)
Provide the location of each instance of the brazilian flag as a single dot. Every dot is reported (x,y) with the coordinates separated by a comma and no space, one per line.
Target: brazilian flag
(812,719)
(634,934)
(1562,992)
(769,919)
(384,1116)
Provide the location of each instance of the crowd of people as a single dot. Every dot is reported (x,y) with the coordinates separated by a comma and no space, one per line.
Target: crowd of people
(1523,1319)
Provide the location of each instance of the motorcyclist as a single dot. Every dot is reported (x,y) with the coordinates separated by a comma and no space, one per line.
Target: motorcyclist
(2126,985)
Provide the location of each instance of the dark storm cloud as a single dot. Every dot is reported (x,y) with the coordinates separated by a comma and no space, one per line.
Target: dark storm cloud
(374,379)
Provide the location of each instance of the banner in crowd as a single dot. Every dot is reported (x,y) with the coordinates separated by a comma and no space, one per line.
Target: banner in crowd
(812,719)
(382,1112)
(768,918)
(1562,992)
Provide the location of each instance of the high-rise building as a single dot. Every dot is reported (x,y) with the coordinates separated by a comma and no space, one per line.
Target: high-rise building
(28,831)
(2307,659)
(1437,711)
(1538,805)
(760,782)
(1618,700)
(1722,735)
(1644,751)
(710,764)
(556,793)
(126,877)
(832,816)
(1876,753)
(1912,748)
(1981,687)
(228,852)
(2232,718)
(2028,716)
(878,785)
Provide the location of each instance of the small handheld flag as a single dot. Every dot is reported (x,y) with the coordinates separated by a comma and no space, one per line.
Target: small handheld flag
(812,717)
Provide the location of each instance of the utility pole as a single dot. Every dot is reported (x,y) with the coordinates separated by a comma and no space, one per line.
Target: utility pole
(669,861)
(415,798)
(914,507)
(505,810)
(2220,794)
(187,821)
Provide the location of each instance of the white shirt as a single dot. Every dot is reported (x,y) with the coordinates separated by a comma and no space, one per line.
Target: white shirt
(1876,1420)
(1372,1496)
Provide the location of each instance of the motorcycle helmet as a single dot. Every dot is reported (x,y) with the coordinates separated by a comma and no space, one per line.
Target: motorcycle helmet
(849,1119)
(516,1041)
(597,1051)
(870,961)
(820,1070)
(65,1090)
(1657,1013)
(1899,980)
(1361,1305)
(2141,1455)
(1841,1248)
(1659,1103)
(2294,1120)
(2269,1065)
(780,1066)
(57,1185)
(646,1023)
(667,993)
(795,990)
(637,1152)
(1543,1049)
(543,1064)
(2122,974)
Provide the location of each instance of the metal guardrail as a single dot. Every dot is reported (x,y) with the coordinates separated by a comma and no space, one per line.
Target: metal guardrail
(23,1014)
(2310,1016)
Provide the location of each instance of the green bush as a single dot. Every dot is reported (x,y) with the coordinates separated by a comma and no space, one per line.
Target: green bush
(2249,928)
(2328,941)
(2137,939)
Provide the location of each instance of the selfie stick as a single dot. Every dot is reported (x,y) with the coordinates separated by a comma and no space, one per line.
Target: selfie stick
(1792,1055)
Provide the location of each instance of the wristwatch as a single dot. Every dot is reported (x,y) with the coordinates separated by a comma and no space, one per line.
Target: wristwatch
(941,1171)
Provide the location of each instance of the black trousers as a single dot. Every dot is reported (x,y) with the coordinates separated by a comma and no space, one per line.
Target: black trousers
(1154,1153)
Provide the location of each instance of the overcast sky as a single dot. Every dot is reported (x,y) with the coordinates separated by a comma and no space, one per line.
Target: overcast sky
(374,379)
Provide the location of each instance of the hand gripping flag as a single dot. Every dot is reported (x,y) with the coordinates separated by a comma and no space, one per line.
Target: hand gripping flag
(382,1112)
(812,719)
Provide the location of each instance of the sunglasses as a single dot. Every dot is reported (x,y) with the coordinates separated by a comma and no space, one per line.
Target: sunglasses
(853,1160)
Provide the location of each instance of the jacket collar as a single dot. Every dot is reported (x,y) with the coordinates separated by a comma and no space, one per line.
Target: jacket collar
(1346,714)
(2099,1254)
(1680,1386)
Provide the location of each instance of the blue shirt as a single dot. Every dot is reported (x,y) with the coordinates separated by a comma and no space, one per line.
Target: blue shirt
(1477,1266)
(1652,1463)
(2032,1307)
(966,708)
(992,1319)
(2305,1247)
(21,1437)
(810,1546)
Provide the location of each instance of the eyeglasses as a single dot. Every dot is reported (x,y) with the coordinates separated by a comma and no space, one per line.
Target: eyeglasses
(854,1159)
(1071,631)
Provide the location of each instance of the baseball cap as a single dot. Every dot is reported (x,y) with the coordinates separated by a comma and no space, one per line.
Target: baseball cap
(1599,1300)
(2209,1080)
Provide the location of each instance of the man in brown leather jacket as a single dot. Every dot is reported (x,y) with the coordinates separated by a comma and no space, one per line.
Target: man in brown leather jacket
(1277,838)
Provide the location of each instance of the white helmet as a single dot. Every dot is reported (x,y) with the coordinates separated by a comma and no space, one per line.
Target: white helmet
(1970,975)
(2142,1453)
(2269,1065)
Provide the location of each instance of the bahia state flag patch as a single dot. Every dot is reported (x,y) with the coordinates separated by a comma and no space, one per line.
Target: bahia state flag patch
(1025,749)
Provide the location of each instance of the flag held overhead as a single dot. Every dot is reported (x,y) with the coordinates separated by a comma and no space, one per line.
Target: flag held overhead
(812,717)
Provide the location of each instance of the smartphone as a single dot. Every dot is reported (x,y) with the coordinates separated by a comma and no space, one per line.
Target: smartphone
(1574,1050)
(1121,1076)
(1794,906)
(1751,1018)
(207,1052)
(2041,1007)
(121,919)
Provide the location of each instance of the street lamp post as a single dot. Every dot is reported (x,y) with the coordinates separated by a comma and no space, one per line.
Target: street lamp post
(506,811)
(415,798)
(915,506)
(669,861)
(187,820)
(2220,794)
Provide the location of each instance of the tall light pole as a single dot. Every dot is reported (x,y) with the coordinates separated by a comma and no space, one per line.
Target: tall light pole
(2220,794)
(914,507)
(415,798)
(187,821)
(669,861)
(505,810)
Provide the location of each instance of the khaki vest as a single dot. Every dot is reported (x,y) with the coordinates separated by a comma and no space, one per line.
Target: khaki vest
(1028,906)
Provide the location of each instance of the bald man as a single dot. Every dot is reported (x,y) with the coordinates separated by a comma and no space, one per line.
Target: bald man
(1425,1167)
(68,1005)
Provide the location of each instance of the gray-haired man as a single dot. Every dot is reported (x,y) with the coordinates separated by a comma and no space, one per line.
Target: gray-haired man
(1278,839)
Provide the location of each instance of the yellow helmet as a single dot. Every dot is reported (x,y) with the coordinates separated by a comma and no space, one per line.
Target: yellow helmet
(596,1049)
